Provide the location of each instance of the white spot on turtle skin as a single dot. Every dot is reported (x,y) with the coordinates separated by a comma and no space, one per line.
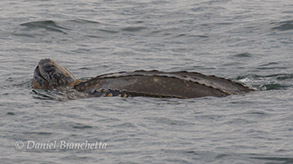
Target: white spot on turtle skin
(156,79)
(125,95)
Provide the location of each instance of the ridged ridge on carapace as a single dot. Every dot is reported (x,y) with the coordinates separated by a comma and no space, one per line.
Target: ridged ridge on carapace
(197,78)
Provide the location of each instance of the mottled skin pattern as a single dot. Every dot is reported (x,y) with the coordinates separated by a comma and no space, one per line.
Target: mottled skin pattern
(49,75)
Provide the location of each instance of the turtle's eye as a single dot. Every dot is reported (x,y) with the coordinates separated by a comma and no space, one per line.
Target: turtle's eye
(49,68)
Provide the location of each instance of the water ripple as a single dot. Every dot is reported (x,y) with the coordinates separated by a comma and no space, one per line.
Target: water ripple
(48,25)
(269,82)
(133,29)
(81,126)
(243,55)
(284,26)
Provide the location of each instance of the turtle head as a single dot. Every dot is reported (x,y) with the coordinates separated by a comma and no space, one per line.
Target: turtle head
(49,75)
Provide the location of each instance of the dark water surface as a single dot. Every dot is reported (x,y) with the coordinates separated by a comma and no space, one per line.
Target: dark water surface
(246,40)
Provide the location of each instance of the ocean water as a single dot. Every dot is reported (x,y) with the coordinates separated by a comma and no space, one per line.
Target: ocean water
(245,40)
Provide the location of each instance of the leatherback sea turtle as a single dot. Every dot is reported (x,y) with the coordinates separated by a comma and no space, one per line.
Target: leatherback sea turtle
(49,75)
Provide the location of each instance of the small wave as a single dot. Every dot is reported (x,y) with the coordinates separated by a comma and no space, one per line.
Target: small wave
(268,82)
(191,36)
(43,95)
(284,26)
(169,121)
(283,76)
(84,21)
(55,95)
(38,133)
(108,31)
(133,29)
(271,66)
(284,160)
(243,55)
(273,86)
(10,113)
(16,82)
(81,126)
(47,25)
